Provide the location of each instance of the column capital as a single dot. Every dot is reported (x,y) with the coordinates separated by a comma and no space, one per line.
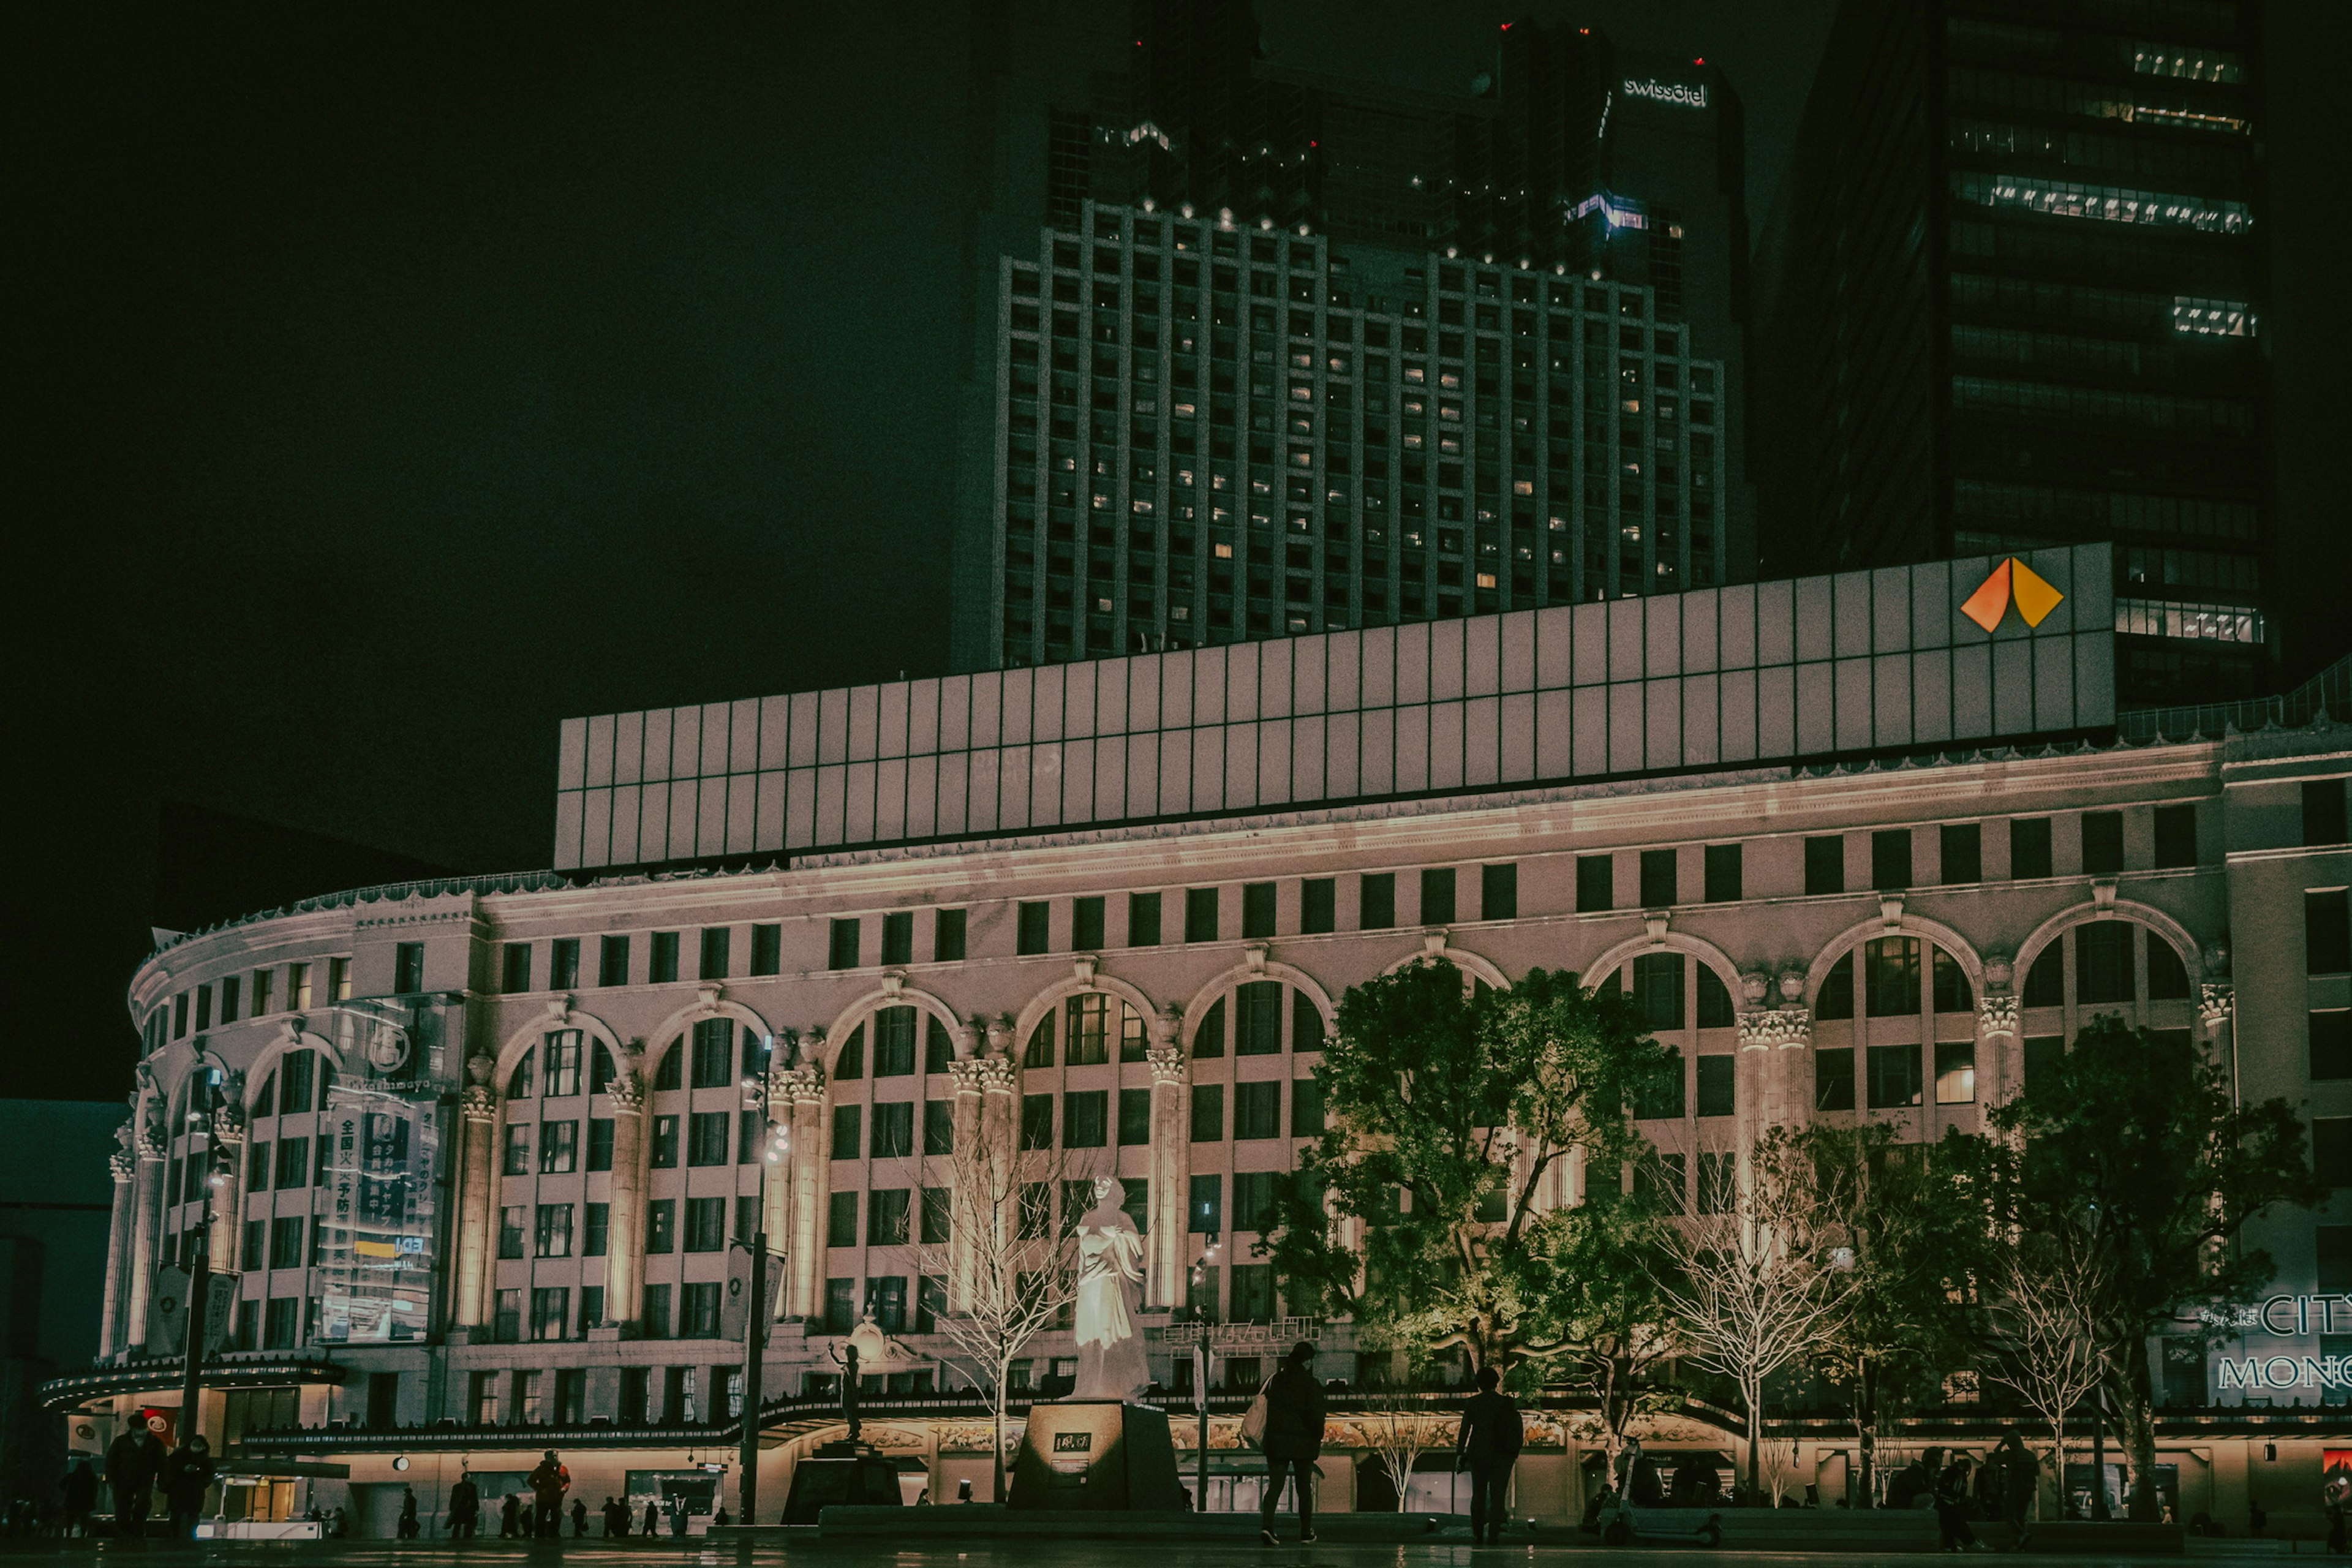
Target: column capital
(1167,1064)
(152,1144)
(802,1085)
(229,1125)
(478,1104)
(983,1075)
(626,1091)
(124,1164)
(1776,1029)
(1997,1015)
(2217,1002)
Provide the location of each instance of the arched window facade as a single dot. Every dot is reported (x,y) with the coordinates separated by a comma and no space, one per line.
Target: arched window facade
(704,1151)
(1253,1104)
(890,1130)
(2116,967)
(286,1150)
(1086,1100)
(1895,1029)
(1688,1111)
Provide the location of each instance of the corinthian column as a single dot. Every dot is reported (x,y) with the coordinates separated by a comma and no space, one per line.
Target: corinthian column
(125,1166)
(1171,1166)
(478,1110)
(625,1231)
(812,1171)
(228,1199)
(144,1216)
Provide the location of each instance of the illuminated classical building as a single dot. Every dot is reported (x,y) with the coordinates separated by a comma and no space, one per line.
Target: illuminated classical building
(1855,856)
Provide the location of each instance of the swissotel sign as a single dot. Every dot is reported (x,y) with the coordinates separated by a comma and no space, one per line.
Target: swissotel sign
(1681,95)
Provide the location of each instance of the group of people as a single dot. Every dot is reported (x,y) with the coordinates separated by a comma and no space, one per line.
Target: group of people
(543,1517)
(1957,1488)
(137,1467)
(1288,1424)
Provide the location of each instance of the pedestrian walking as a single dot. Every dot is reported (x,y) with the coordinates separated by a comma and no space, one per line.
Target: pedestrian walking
(186,1476)
(79,1494)
(1951,1498)
(2020,1479)
(465,1508)
(652,1520)
(616,1520)
(510,1517)
(1293,1440)
(579,1518)
(1489,1446)
(2336,1496)
(408,1529)
(548,1482)
(133,1460)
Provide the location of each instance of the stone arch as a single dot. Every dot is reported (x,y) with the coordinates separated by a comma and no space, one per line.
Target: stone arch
(293,1036)
(1933,932)
(562,1016)
(1670,940)
(711,1003)
(1240,973)
(1437,946)
(1046,1001)
(873,1002)
(2192,954)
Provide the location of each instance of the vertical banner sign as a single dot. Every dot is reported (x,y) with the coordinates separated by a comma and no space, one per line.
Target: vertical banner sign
(376,1259)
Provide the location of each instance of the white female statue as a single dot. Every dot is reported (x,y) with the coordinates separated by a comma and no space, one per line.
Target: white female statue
(1110,1263)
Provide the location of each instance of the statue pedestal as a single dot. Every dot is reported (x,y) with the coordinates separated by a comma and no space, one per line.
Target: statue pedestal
(1096,1454)
(850,1474)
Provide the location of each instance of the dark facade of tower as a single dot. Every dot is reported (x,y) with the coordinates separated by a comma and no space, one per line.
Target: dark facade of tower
(2011,295)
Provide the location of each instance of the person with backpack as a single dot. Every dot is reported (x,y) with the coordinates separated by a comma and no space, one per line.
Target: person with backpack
(1291,1434)
(1489,1446)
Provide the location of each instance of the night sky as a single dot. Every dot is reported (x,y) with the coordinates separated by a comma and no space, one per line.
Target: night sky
(384,383)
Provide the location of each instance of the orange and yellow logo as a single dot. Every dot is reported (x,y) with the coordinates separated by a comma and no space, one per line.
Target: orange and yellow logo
(2011,581)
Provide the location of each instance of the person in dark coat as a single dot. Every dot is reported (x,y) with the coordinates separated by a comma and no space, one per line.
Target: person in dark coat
(1293,1440)
(79,1495)
(132,1462)
(652,1520)
(616,1520)
(465,1509)
(579,1517)
(2020,1478)
(510,1517)
(1952,1507)
(1489,1446)
(410,1526)
(186,1476)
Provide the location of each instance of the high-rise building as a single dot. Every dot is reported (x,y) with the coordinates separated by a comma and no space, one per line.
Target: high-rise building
(1520,457)
(2011,295)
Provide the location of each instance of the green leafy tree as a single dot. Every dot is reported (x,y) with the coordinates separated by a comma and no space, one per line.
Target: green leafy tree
(1445,1111)
(1596,1268)
(1911,1234)
(2135,1155)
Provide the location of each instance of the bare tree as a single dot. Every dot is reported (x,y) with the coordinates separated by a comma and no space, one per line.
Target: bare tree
(1008,1265)
(1759,1286)
(1397,1440)
(2046,1295)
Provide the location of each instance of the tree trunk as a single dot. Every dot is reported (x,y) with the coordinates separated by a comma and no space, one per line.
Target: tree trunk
(1755,1443)
(996,1445)
(1865,1432)
(2058,1450)
(2137,1417)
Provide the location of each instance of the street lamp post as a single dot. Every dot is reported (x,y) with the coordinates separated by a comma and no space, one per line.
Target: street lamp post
(1203,1313)
(774,1139)
(205,1083)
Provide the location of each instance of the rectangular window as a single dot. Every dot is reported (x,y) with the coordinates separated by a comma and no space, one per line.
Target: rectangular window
(899,937)
(655,1319)
(2331,1045)
(2331,1150)
(563,963)
(1890,859)
(1959,853)
(551,1231)
(1437,896)
(1834,1080)
(2028,848)
(939,1127)
(1257,1109)
(1208,1112)
(2176,836)
(1719,1182)
(841,1219)
(894,1042)
(2045,1058)
(512,1219)
(706,1138)
(1200,914)
(298,988)
(339,980)
(407,968)
(1143,920)
(887,1213)
(596,1238)
(286,1242)
(550,1311)
(2323,823)
(718,942)
(848,1130)
(947,936)
(1087,924)
(840,1306)
(841,950)
(2103,843)
(1205,1205)
(1718,1086)
(1306,1108)
(1956,1072)
(938,1216)
(1723,874)
(662,967)
(294,1161)
(1258,1018)
(1825,865)
(1086,1119)
(1891,977)
(600,1143)
(698,1310)
(613,961)
(1037,1121)
(2103,962)
(559,1148)
(1033,928)
(2327,932)
(1658,989)
(1376,901)
(1596,879)
(1498,891)
(228,990)
(204,1009)
(1659,881)
(1318,906)
(767,948)
(1660,1097)
(1134,1117)
(518,1161)
(661,1225)
(1257,910)
(263,981)
(1893,1077)
(749,1128)
(894,1130)
(2333,1243)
